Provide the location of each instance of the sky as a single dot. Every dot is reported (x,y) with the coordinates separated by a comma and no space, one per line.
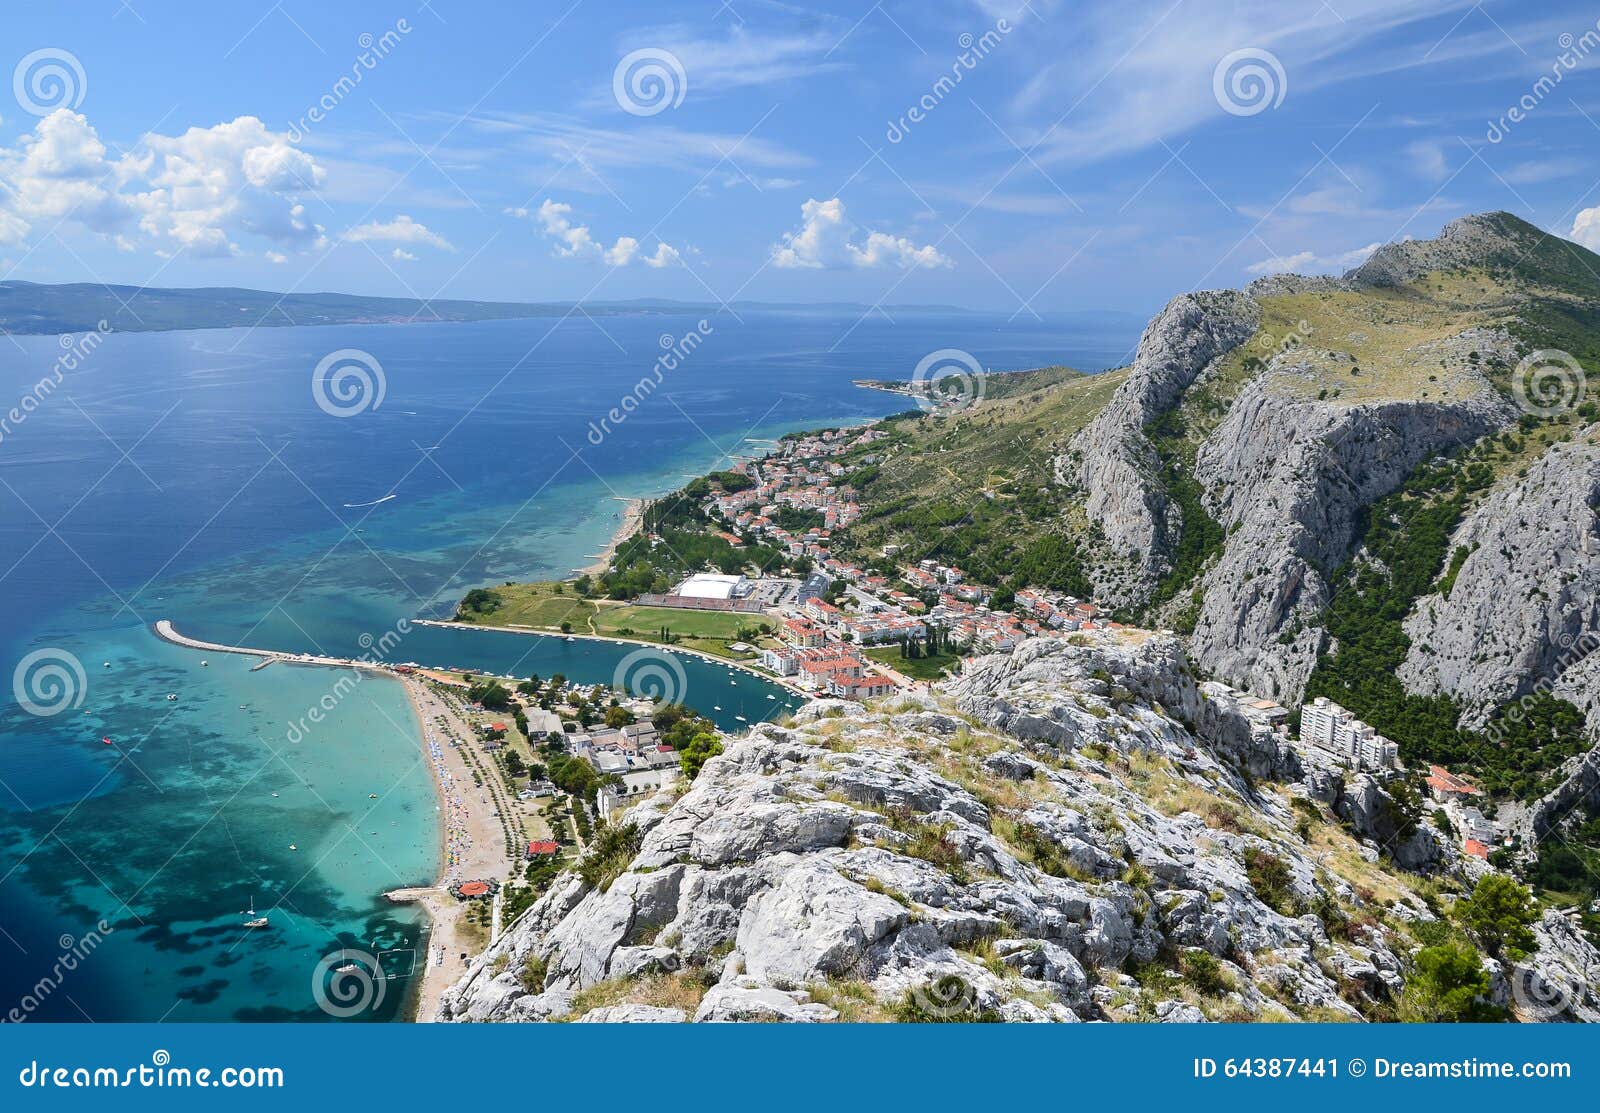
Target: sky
(1027,158)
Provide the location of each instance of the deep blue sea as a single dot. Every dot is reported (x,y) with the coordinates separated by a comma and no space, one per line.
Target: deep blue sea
(193,476)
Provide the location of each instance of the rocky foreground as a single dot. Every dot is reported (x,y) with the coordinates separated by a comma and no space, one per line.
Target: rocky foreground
(1075,832)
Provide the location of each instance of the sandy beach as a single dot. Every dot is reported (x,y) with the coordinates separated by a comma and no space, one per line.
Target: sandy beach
(632,517)
(472,844)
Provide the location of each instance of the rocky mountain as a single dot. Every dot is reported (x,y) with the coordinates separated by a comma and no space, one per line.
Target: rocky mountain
(1077,831)
(1114,460)
(1239,470)
(1523,609)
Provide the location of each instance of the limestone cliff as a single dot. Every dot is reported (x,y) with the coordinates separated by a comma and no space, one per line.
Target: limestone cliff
(1072,832)
(1287,474)
(1523,610)
(1113,460)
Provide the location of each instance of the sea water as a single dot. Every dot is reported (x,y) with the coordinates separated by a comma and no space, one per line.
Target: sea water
(192,476)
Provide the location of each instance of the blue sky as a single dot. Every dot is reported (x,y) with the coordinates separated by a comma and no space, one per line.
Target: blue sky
(1090,156)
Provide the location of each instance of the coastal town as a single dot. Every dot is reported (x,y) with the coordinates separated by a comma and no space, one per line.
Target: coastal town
(839,626)
(528,770)
(847,629)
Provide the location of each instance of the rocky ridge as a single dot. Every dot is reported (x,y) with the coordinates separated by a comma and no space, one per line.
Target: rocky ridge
(1076,831)
(1287,476)
(1113,460)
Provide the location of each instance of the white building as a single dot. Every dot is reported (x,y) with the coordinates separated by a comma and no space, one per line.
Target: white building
(706,585)
(781,661)
(635,784)
(1329,727)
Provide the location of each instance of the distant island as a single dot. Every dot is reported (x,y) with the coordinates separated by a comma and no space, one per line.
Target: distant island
(35,308)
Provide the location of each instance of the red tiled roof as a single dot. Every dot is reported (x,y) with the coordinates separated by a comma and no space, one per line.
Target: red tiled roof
(540,847)
(1475,848)
(1442,780)
(474,888)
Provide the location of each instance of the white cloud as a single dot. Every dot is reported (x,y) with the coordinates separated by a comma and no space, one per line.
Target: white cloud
(574,155)
(824,239)
(1309,262)
(200,191)
(1428,159)
(746,55)
(1543,170)
(402,229)
(575,241)
(400,255)
(1122,77)
(1586,229)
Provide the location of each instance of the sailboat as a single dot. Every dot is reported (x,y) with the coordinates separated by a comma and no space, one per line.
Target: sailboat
(346,965)
(257,921)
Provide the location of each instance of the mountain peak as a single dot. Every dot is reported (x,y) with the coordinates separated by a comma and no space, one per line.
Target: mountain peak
(1498,241)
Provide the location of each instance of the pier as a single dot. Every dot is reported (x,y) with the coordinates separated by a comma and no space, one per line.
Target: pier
(169,633)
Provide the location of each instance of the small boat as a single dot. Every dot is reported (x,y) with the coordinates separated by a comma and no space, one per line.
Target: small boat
(106,664)
(258,922)
(372,796)
(741,718)
(770,696)
(203,664)
(716,707)
(292,846)
(106,741)
(172,695)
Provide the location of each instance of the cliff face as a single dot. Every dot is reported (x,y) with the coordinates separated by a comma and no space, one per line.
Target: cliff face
(1524,609)
(1067,833)
(1287,475)
(1118,470)
(1383,370)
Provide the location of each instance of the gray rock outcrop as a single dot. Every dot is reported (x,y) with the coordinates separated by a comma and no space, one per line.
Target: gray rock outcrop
(1117,468)
(1287,476)
(1523,613)
(1046,841)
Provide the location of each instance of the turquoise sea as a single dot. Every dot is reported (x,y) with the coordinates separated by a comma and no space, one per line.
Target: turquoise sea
(192,476)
